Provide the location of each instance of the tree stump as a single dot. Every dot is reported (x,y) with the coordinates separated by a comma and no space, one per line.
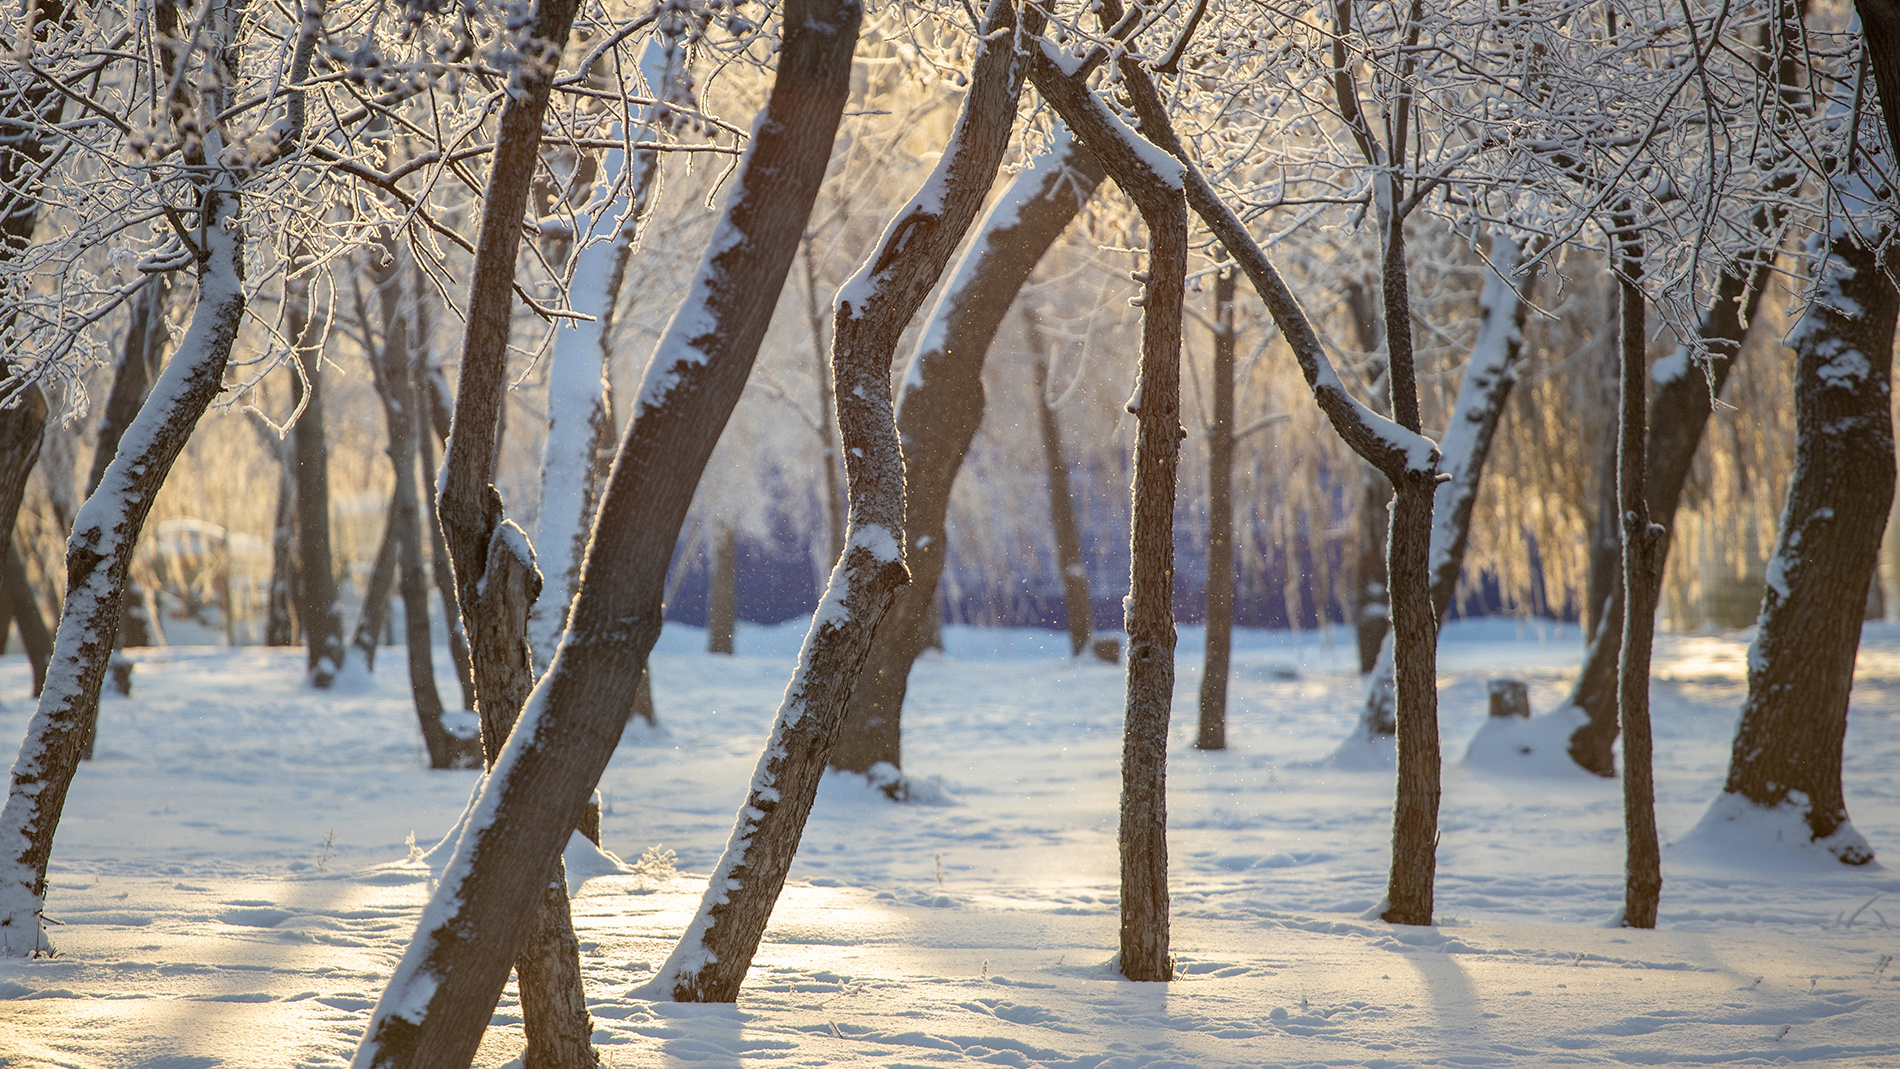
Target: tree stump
(1510,697)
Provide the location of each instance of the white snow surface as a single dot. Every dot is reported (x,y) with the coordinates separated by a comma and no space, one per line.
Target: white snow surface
(235,874)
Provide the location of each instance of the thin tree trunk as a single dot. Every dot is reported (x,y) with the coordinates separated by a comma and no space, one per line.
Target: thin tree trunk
(1643,548)
(1371,608)
(439,1001)
(316,598)
(403,538)
(1154,183)
(373,618)
(280,625)
(873,308)
(1490,375)
(17,592)
(722,594)
(938,411)
(827,430)
(1212,733)
(441,571)
(1075,573)
(1788,747)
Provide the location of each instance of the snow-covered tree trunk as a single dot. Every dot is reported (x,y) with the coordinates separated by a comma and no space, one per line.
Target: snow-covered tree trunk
(439,1001)
(1489,376)
(873,308)
(1643,547)
(1788,747)
(1211,732)
(97,558)
(939,408)
(1153,181)
(580,437)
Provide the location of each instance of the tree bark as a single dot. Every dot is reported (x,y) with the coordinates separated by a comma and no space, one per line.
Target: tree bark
(98,556)
(441,571)
(17,590)
(873,308)
(403,539)
(939,408)
(439,1001)
(1371,608)
(1212,733)
(1154,184)
(316,598)
(722,594)
(373,618)
(280,624)
(1643,546)
(1068,534)
(827,436)
(1788,746)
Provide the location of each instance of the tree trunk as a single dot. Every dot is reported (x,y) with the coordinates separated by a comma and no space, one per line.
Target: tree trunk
(442,572)
(938,411)
(439,1001)
(1212,733)
(1371,609)
(873,308)
(1643,547)
(373,618)
(1490,375)
(1788,747)
(280,625)
(1154,183)
(1075,573)
(722,593)
(316,597)
(98,556)
(1678,415)
(403,539)
(17,592)
(827,436)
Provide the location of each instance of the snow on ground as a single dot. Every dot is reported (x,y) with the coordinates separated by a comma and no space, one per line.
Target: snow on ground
(236,874)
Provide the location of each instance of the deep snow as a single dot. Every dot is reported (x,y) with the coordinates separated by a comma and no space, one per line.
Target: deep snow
(235,878)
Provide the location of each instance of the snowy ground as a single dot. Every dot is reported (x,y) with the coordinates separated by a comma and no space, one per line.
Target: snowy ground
(232,878)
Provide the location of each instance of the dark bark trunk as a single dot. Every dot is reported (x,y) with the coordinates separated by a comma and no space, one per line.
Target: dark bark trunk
(827,429)
(1801,668)
(1212,733)
(373,618)
(316,597)
(441,571)
(1678,415)
(1149,608)
(24,607)
(873,308)
(280,623)
(1880,26)
(439,1003)
(1068,533)
(938,412)
(1643,547)
(722,591)
(402,541)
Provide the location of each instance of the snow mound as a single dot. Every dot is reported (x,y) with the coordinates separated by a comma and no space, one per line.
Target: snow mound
(1362,753)
(1538,746)
(585,860)
(1736,833)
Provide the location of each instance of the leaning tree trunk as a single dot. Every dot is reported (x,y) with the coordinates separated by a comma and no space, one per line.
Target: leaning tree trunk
(1212,730)
(1154,183)
(439,1001)
(554,1007)
(98,555)
(1490,375)
(1788,747)
(1068,533)
(373,617)
(939,408)
(873,308)
(1643,547)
